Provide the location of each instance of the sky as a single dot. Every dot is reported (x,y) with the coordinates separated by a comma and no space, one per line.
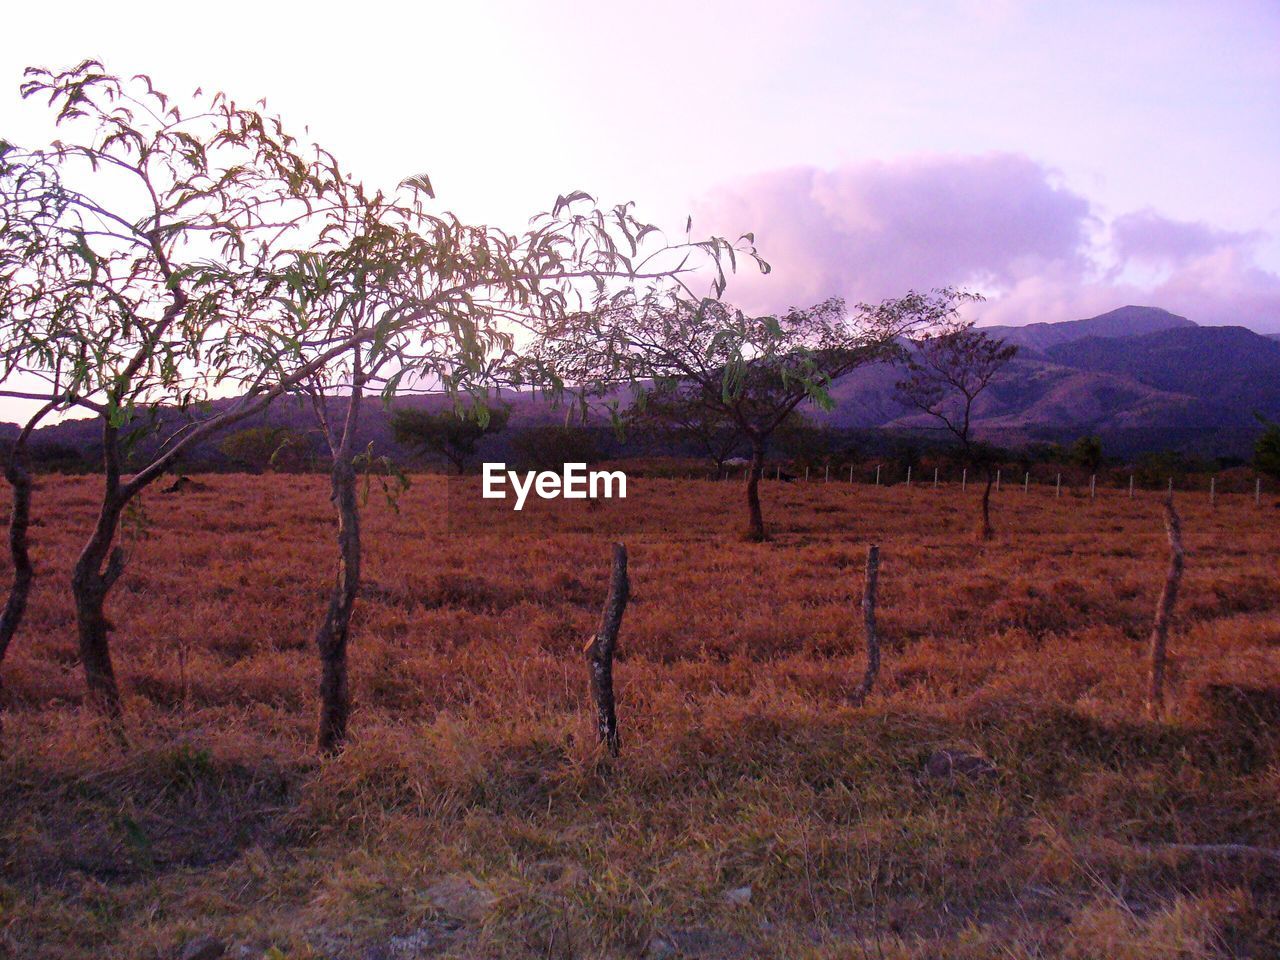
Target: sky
(1061,158)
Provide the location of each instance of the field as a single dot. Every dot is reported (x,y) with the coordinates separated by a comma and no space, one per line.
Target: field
(752,813)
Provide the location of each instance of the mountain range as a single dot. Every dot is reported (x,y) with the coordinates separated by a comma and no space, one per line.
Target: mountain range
(1139,377)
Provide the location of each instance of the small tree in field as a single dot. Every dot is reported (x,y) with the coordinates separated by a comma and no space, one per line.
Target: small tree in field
(1266,451)
(550,446)
(1086,452)
(753,371)
(452,434)
(264,448)
(946,373)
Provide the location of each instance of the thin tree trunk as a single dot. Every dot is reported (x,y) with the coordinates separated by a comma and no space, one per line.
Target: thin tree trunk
(1164,610)
(335,631)
(755,527)
(96,570)
(17,472)
(987,532)
(600,649)
(869,584)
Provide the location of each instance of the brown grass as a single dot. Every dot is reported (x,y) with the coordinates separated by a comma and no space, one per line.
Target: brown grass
(473,766)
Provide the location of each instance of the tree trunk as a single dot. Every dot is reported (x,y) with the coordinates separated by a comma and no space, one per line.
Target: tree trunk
(600,649)
(17,472)
(869,584)
(1164,610)
(335,631)
(987,532)
(755,527)
(96,571)
(23,572)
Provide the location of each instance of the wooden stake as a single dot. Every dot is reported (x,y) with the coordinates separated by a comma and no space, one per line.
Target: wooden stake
(600,650)
(1164,611)
(869,583)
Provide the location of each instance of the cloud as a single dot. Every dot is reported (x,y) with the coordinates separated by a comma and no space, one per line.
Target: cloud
(1145,235)
(995,222)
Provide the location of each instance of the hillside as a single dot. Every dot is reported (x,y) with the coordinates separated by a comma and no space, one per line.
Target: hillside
(1127,321)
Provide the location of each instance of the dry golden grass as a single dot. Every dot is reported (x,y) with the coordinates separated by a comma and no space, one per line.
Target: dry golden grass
(472,816)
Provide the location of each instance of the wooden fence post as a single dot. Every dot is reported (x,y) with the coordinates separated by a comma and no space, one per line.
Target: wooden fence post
(869,584)
(1059,490)
(1131,486)
(935,478)
(877,474)
(964,478)
(997,481)
(1026,481)
(600,650)
(1164,610)
(908,476)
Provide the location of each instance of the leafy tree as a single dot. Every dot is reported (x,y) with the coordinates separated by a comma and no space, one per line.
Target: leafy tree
(551,446)
(677,415)
(1266,451)
(266,447)
(452,434)
(754,371)
(1086,452)
(156,271)
(947,370)
(804,442)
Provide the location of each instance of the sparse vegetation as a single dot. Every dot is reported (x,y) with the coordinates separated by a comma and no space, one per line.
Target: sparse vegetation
(467,810)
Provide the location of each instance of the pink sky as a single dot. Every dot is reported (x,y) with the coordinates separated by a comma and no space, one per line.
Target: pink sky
(1064,158)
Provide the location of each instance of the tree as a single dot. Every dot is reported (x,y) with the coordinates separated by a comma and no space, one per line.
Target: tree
(1266,451)
(452,434)
(551,446)
(154,270)
(264,448)
(947,370)
(676,415)
(31,200)
(1087,452)
(754,371)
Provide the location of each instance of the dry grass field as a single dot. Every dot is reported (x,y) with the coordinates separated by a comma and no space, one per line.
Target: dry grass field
(753,812)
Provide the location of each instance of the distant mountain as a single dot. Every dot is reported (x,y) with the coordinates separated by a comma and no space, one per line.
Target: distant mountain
(1140,377)
(1123,322)
(1228,366)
